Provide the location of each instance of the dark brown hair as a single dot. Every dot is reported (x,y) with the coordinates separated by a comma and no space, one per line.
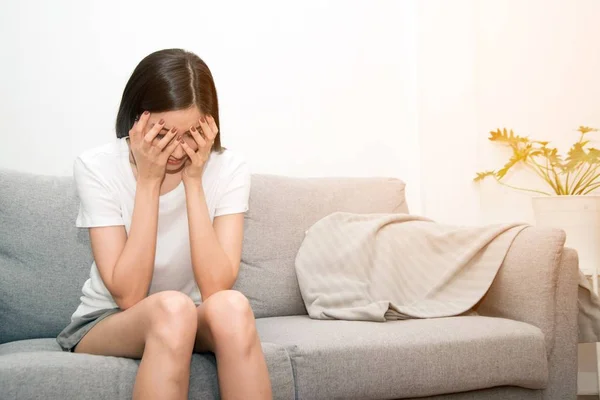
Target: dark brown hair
(168,80)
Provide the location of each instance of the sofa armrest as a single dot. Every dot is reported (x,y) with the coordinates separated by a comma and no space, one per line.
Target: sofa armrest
(524,288)
(537,284)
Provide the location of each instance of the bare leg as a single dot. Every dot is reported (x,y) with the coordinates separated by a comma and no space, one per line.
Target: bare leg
(160,330)
(226,326)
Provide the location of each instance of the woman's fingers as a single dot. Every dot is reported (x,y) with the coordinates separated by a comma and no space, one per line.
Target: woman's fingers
(149,137)
(197,137)
(170,147)
(164,155)
(139,126)
(167,139)
(205,126)
(188,150)
(143,121)
(214,129)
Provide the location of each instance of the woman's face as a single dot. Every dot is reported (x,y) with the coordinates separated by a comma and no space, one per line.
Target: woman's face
(183,120)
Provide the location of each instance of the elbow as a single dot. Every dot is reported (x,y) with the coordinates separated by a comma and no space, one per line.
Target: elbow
(125,297)
(209,290)
(125,302)
(206,291)
(211,284)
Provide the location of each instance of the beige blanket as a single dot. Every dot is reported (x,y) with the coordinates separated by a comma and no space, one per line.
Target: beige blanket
(377,267)
(589,312)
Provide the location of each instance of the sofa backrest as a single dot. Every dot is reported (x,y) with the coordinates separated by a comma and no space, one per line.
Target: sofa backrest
(281,210)
(45,259)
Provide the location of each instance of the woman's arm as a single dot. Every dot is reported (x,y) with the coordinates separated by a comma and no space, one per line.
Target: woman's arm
(215,250)
(126,264)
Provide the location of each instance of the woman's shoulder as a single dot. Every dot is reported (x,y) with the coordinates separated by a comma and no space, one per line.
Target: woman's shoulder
(110,149)
(229,161)
(102,158)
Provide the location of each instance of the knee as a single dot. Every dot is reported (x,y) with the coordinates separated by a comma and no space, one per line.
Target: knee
(229,314)
(174,319)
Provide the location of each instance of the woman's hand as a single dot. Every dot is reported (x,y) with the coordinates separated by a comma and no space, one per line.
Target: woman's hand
(194,166)
(151,156)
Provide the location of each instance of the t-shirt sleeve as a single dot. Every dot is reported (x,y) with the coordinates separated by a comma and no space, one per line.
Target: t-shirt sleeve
(98,205)
(234,197)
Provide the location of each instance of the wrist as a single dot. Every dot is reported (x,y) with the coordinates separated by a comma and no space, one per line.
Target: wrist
(194,186)
(149,185)
(191,182)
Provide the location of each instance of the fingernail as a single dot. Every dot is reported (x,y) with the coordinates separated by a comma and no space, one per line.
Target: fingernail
(162,121)
(174,130)
(193,129)
(179,138)
(146,113)
(203,119)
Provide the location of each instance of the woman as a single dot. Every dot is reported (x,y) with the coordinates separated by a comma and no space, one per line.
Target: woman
(164,205)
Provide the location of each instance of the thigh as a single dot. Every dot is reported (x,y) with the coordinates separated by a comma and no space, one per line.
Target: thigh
(122,334)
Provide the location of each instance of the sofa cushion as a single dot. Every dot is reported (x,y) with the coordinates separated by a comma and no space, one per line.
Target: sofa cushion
(44,258)
(29,346)
(411,358)
(496,393)
(32,369)
(281,210)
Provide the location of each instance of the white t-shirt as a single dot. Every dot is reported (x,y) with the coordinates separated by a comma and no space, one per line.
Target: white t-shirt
(106,187)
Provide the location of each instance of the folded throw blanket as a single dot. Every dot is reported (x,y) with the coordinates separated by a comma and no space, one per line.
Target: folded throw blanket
(378,267)
(589,312)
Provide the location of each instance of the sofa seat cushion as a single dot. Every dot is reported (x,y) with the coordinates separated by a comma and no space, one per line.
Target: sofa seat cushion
(38,368)
(29,346)
(411,358)
(496,393)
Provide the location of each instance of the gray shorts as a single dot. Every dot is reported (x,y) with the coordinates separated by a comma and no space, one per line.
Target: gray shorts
(76,330)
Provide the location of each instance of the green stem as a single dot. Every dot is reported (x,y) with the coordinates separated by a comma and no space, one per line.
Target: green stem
(592,188)
(566,187)
(541,175)
(518,188)
(561,189)
(589,177)
(575,178)
(583,177)
(589,182)
(559,185)
(558,182)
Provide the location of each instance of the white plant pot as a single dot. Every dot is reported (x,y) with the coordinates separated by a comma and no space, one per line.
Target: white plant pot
(579,217)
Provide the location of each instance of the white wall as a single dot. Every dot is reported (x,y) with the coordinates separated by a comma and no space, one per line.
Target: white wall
(533,66)
(306,88)
(447,110)
(405,89)
(538,71)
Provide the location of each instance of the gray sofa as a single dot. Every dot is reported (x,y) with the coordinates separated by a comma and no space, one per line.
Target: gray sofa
(522,345)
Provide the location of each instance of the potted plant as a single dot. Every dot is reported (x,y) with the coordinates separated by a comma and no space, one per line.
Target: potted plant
(570,202)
